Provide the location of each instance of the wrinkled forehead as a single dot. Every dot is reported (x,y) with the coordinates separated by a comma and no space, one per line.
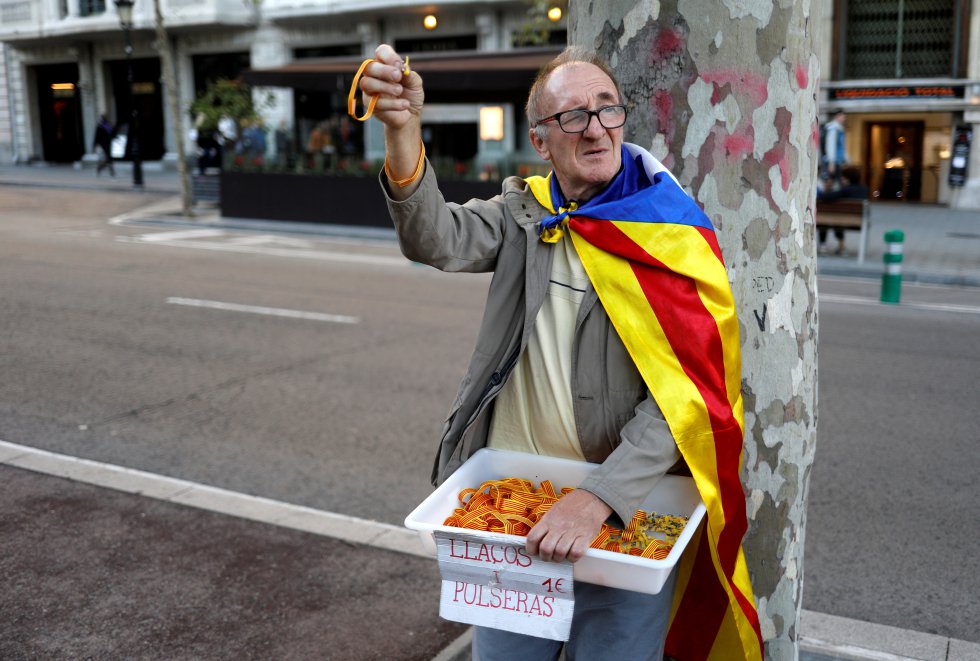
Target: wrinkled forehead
(578,85)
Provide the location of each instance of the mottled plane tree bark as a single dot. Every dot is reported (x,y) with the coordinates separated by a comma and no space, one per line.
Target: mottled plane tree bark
(724,93)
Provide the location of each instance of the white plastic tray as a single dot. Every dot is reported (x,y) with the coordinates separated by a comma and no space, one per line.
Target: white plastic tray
(673,495)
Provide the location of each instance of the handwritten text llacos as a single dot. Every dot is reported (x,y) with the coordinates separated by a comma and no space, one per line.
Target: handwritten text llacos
(501,585)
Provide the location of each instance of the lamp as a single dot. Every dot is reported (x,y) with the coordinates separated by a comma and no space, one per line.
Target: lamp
(491,123)
(125,10)
(554,14)
(430,22)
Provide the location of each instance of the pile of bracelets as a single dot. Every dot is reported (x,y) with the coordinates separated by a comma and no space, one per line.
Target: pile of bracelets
(513,505)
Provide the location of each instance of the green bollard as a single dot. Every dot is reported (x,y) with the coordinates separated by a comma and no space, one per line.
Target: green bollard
(891,279)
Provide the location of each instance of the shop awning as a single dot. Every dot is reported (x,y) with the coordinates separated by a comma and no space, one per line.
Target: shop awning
(466,74)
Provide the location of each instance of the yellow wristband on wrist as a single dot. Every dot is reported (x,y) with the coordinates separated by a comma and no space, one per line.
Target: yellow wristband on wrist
(402,183)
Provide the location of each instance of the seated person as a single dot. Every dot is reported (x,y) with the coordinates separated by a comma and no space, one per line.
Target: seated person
(850,188)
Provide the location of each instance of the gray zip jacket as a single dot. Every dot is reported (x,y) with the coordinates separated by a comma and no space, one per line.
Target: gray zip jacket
(619,425)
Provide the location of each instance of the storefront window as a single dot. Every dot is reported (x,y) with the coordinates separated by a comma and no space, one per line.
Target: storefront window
(900,39)
(91,7)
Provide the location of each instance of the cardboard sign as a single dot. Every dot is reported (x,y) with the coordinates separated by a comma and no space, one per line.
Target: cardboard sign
(502,586)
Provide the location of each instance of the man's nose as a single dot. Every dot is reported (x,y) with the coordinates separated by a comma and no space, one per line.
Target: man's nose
(594,129)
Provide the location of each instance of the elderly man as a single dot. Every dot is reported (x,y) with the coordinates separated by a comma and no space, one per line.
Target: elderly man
(561,366)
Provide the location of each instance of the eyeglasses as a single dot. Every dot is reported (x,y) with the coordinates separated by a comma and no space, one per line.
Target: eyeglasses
(577,121)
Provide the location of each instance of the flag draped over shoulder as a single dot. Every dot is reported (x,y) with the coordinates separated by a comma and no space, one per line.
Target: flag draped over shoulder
(654,260)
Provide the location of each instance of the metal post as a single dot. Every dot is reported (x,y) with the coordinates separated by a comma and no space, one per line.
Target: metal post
(134,129)
(891,279)
(125,11)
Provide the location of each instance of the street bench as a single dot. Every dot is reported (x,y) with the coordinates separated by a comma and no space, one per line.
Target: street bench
(846,214)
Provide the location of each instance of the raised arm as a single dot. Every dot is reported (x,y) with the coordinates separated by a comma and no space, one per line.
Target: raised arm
(399,108)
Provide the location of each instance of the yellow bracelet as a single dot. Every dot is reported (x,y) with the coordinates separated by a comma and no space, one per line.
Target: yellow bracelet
(352,95)
(402,183)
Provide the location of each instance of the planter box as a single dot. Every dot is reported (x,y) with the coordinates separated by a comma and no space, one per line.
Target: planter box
(323,198)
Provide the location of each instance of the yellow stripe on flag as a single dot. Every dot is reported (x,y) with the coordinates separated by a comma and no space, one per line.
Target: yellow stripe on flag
(683,250)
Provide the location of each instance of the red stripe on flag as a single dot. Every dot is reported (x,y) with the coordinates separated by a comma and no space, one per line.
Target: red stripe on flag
(693,335)
(691,637)
(712,240)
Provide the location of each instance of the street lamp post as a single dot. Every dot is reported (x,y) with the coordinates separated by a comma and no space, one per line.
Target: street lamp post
(125,10)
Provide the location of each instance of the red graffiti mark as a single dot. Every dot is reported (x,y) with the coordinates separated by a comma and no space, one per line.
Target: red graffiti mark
(802,77)
(816,135)
(779,154)
(741,82)
(738,144)
(783,164)
(716,95)
(666,44)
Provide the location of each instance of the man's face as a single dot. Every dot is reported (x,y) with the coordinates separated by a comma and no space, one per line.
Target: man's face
(583,162)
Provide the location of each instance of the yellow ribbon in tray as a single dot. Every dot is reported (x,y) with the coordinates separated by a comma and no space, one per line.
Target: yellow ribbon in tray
(513,505)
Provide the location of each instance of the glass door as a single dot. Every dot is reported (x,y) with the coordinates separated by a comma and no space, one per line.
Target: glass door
(894,160)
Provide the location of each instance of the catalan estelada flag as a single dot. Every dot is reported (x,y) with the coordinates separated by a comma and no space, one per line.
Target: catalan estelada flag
(655,263)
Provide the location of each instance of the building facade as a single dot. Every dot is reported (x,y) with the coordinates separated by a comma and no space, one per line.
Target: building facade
(63,63)
(906,73)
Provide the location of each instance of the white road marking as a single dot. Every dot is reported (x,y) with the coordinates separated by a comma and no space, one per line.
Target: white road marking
(247,246)
(257,309)
(297,517)
(271,240)
(933,307)
(179,235)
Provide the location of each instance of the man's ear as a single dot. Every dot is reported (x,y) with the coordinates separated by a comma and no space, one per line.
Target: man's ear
(539,145)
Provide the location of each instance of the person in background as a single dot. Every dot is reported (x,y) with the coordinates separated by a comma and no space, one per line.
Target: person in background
(834,149)
(253,143)
(560,369)
(285,146)
(319,147)
(850,188)
(104,133)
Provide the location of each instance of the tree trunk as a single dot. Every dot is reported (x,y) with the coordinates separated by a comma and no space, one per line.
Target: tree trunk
(173,98)
(724,93)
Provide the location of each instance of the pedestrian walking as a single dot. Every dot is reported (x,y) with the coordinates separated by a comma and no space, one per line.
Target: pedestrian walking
(834,147)
(601,342)
(102,144)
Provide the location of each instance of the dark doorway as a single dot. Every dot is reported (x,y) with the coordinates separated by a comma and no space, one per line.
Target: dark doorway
(60,106)
(148,97)
(455,142)
(894,160)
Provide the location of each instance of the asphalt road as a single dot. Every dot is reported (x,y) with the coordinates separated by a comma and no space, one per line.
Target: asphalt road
(892,525)
(130,345)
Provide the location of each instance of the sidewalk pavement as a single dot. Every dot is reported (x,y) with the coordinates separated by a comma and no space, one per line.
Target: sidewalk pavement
(100,562)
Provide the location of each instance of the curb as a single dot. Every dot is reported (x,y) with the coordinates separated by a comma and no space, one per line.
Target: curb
(458,650)
(908,276)
(826,637)
(822,637)
(833,638)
